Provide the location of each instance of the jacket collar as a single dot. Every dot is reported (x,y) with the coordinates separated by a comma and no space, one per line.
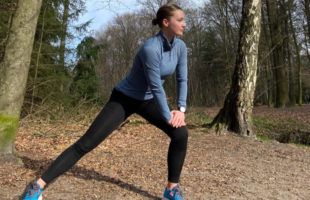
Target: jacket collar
(166,44)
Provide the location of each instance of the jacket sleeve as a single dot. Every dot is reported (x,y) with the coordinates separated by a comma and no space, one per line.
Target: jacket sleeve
(151,58)
(181,76)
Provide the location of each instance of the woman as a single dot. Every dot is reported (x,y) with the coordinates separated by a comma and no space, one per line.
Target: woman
(141,92)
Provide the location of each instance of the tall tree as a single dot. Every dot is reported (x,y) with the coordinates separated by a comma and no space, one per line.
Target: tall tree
(50,77)
(307,13)
(287,53)
(236,115)
(268,75)
(14,70)
(85,82)
(278,61)
(297,49)
(42,79)
(306,26)
(7,9)
(65,17)
(38,61)
(64,27)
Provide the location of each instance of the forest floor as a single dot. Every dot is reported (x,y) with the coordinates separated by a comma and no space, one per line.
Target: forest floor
(131,163)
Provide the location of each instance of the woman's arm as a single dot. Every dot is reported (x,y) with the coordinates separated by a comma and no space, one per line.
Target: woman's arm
(151,59)
(178,117)
(181,76)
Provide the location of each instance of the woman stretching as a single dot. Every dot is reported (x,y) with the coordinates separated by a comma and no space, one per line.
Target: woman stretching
(141,92)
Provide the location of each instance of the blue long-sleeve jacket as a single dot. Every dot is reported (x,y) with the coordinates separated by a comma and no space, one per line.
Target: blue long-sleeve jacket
(156,59)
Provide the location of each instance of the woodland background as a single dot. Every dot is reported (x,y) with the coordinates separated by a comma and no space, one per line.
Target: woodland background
(67,87)
(61,78)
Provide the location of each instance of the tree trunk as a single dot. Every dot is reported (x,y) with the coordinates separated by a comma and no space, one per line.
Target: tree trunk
(64,32)
(236,115)
(63,37)
(37,62)
(306,41)
(307,12)
(278,58)
(225,36)
(266,62)
(299,100)
(287,53)
(14,70)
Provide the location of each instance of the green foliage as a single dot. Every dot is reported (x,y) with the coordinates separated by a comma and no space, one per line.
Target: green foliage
(87,49)
(302,145)
(263,138)
(49,79)
(196,118)
(282,130)
(85,82)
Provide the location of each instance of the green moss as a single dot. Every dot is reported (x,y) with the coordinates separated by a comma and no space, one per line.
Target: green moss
(302,145)
(197,118)
(282,130)
(8,126)
(263,138)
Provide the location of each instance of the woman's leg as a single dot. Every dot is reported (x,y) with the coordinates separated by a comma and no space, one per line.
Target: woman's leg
(111,116)
(178,144)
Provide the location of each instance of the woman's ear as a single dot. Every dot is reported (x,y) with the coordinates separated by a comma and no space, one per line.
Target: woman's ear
(165,22)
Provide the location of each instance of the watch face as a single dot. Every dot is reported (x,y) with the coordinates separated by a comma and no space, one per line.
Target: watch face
(182,109)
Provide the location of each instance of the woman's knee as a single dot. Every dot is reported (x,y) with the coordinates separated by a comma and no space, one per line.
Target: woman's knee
(180,136)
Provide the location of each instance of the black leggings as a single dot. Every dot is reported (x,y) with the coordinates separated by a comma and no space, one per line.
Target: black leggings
(117,109)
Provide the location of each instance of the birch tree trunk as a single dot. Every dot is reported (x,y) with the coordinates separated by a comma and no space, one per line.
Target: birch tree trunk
(14,70)
(236,115)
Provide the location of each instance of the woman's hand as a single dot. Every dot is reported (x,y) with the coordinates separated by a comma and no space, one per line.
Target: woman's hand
(177,119)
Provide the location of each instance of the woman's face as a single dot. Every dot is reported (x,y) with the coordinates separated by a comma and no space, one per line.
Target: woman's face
(176,23)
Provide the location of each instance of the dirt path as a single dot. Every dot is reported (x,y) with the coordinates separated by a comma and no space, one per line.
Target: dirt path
(131,164)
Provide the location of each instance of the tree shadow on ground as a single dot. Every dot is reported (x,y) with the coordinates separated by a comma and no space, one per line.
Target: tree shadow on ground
(39,166)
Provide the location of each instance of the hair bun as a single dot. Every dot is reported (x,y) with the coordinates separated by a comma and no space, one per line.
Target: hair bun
(155,22)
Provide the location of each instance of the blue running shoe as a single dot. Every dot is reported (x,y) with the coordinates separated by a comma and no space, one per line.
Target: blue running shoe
(174,194)
(34,192)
